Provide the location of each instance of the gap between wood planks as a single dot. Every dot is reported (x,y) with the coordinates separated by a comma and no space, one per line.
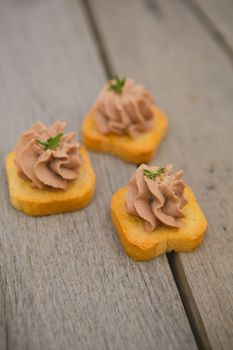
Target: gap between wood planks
(209,26)
(187,299)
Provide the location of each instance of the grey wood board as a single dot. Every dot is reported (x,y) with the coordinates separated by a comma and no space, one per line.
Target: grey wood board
(161,44)
(65,281)
(221,15)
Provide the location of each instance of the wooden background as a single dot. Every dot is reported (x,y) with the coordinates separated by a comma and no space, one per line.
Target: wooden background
(65,282)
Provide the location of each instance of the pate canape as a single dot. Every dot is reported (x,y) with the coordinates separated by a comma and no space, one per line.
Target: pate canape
(125,122)
(48,172)
(157,213)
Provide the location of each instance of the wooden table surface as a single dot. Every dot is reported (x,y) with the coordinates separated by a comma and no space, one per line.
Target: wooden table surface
(65,281)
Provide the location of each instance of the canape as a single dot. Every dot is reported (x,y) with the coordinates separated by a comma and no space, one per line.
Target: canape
(49,172)
(125,122)
(157,213)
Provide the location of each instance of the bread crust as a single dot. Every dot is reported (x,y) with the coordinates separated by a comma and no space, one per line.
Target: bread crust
(135,150)
(142,245)
(37,202)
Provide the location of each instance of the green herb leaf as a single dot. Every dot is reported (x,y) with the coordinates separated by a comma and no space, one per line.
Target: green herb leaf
(117,85)
(51,142)
(152,174)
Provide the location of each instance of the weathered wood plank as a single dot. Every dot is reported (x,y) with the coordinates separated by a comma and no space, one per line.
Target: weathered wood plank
(163,45)
(220,14)
(65,282)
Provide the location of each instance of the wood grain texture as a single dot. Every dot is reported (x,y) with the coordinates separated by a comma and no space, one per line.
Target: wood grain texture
(161,44)
(65,282)
(220,14)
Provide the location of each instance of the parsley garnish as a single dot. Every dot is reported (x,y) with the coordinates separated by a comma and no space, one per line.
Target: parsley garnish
(51,142)
(117,85)
(152,174)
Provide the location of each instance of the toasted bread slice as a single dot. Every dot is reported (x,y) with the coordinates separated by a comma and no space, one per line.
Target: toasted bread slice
(135,150)
(142,245)
(36,202)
